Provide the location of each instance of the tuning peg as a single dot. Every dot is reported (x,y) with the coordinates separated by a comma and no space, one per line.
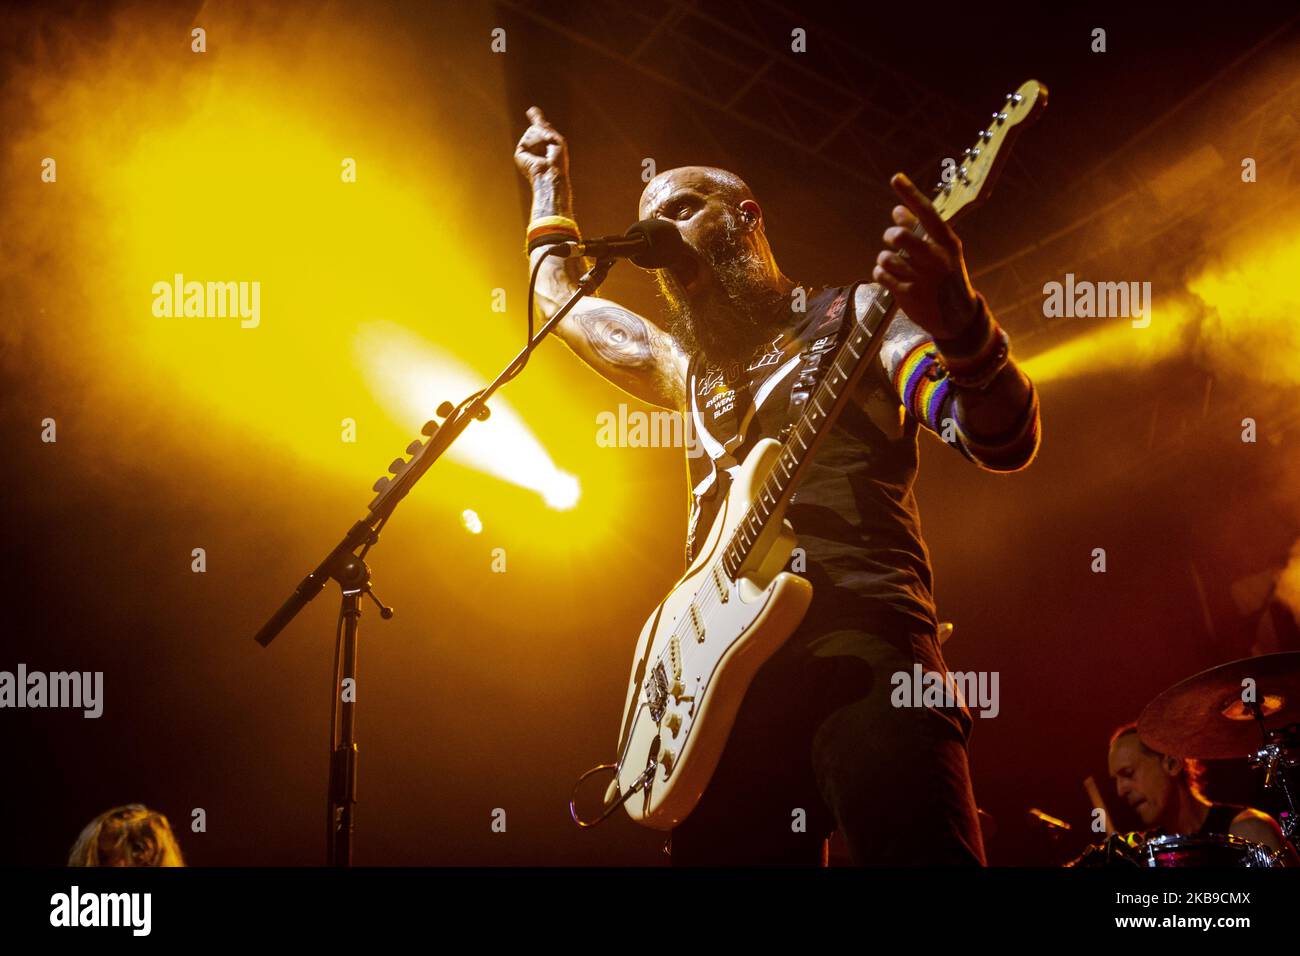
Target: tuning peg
(380,484)
(414,447)
(429,428)
(445,409)
(397,466)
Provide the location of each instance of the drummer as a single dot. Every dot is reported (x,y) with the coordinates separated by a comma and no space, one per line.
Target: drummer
(1166,793)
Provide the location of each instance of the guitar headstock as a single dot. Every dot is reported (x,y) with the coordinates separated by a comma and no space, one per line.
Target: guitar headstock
(980,164)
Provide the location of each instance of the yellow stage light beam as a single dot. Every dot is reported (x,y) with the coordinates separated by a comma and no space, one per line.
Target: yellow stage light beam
(1113,344)
(1252,301)
(1238,315)
(263,170)
(413,377)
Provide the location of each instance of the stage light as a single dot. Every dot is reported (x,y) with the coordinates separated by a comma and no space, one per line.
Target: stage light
(411,377)
(1236,315)
(562,492)
(236,231)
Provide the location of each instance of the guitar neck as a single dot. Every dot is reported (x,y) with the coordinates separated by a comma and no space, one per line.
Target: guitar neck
(968,184)
(860,348)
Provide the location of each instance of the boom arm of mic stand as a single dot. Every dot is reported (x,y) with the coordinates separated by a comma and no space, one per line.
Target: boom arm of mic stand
(361,532)
(312,584)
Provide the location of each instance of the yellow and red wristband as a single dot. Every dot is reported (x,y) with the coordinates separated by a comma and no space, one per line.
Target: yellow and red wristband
(548,230)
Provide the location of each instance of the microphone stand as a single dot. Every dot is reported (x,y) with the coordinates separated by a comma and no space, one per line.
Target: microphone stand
(350,570)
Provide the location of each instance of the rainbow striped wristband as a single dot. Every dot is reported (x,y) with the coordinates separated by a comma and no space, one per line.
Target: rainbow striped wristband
(921,383)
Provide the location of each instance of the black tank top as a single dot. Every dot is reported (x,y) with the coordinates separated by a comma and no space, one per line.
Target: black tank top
(1219,819)
(855,512)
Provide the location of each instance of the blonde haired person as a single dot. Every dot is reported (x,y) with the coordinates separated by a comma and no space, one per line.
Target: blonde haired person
(132,835)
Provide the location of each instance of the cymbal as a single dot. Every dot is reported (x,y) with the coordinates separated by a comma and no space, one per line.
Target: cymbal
(1204,716)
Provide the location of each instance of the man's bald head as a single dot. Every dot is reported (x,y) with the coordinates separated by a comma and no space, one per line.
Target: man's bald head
(707,181)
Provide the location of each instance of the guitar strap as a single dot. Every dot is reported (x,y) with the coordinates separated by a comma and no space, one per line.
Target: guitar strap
(823,344)
(731,403)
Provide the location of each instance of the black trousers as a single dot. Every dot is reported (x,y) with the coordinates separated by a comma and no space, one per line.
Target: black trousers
(818,744)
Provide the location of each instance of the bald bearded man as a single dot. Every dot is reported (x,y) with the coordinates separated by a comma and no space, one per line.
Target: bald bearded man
(818,742)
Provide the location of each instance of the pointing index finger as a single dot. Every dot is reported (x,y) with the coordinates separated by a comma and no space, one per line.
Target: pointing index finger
(920,205)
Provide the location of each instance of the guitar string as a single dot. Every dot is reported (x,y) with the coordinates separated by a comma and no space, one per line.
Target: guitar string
(688,650)
(712,600)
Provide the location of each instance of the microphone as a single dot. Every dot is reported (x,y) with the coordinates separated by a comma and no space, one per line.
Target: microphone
(650,244)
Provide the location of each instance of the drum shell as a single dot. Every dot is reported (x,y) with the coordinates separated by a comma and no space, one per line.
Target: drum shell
(1204,850)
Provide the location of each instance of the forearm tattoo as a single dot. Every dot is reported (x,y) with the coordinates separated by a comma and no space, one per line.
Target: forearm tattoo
(551,197)
(901,337)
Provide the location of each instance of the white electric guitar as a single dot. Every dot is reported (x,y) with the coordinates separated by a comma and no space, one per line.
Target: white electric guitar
(735,605)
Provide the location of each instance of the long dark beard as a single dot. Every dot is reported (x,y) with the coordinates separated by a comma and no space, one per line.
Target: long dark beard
(728,327)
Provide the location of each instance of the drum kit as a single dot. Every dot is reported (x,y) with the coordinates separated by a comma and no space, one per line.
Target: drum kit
(1247,708)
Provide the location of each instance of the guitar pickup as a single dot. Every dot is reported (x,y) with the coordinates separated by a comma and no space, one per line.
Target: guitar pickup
(721,582)
(697,623)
